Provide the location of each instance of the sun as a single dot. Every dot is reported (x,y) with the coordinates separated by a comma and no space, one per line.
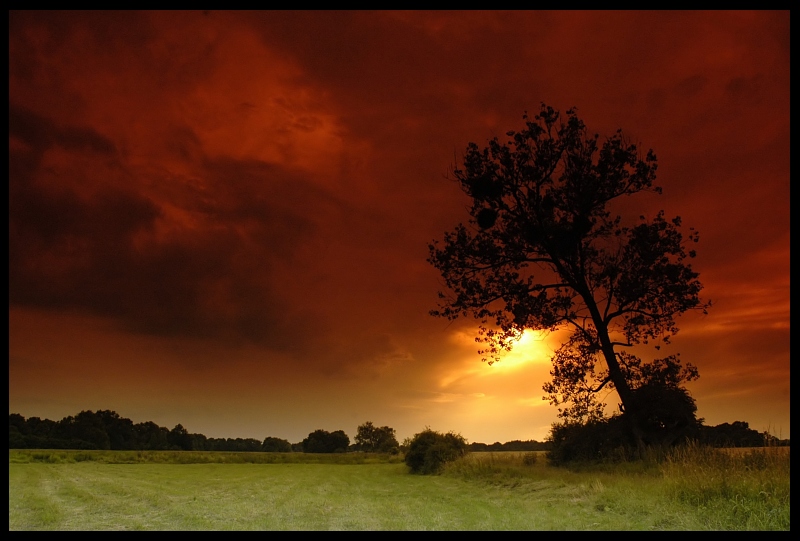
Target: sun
(530,347)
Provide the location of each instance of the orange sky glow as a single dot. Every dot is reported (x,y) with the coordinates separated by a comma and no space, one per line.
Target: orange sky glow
(221,219)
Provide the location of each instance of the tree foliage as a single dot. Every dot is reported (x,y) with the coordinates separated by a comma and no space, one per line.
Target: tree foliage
(106,429)
(276,445)
(543,250)
(375,439)
(322,441)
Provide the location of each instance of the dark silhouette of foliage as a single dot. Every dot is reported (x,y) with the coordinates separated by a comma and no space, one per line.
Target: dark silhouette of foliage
(179,438)
(592,440)
(151,436)
(89,427)
(513,445)
(322,441)
(276,445)
(376,439)
(238,445)
(666,416)
(736,434)
(543,250)
(107,430)
(429,451)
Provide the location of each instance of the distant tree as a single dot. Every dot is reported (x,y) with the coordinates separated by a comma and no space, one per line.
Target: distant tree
(150,436)
(179,438)
(16,431)
(276,445)
(543,251)
(121,434)
(17,421)
(429,451)
(88,427)
(376,439)
(236,445)
(322,441)
(736,434)
(199,442)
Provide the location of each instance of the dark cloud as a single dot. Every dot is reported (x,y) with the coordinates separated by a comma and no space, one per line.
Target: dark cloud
(102,252)
(40,133)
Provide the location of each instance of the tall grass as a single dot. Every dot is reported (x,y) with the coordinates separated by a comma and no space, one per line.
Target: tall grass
(693,487)
(734,489)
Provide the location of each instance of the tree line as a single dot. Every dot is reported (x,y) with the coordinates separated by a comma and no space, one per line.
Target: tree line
(514,445)
(107,430)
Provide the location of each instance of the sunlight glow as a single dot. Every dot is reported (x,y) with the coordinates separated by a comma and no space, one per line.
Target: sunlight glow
(530,348)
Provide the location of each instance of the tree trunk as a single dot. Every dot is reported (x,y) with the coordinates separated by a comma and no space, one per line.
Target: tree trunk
(630,407)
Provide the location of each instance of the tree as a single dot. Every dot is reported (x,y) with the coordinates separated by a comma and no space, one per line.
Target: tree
(179,438)
(322,441)
(276,445)
(376,439)
(151,436)
(543,250)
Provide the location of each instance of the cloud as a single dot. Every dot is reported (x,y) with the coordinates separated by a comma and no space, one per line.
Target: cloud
(197,262)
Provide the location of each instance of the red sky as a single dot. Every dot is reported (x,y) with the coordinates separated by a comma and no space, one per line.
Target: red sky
(221,219)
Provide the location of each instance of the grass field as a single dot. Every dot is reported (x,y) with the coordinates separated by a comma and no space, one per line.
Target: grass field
(105,490)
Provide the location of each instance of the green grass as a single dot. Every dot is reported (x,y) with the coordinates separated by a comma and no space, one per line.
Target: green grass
(106,490)
(50,456)
(693,488)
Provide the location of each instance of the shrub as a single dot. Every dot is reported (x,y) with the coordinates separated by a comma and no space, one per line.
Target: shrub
(429,451)
(598,440)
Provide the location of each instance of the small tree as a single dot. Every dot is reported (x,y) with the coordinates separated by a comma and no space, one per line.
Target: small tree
(429,451)
(376,439)
(543,251)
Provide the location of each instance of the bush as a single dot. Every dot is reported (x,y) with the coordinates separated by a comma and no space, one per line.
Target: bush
(600,440)
(665,417)
(429,451)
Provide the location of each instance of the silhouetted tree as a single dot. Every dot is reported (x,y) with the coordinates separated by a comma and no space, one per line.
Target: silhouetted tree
(179,438)
(543,251)
(276,445)
(736,434)
(121,434)
(322,441)
(376,439)
(151,436)
(88,427)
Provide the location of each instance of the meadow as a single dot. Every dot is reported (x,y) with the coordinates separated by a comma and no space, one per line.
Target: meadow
(693,489)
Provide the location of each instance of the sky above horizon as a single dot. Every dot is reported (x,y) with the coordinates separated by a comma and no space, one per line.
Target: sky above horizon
(222,219)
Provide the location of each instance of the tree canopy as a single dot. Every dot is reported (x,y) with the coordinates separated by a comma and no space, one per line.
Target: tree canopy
(543,250)
(376,439)
(322,441)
